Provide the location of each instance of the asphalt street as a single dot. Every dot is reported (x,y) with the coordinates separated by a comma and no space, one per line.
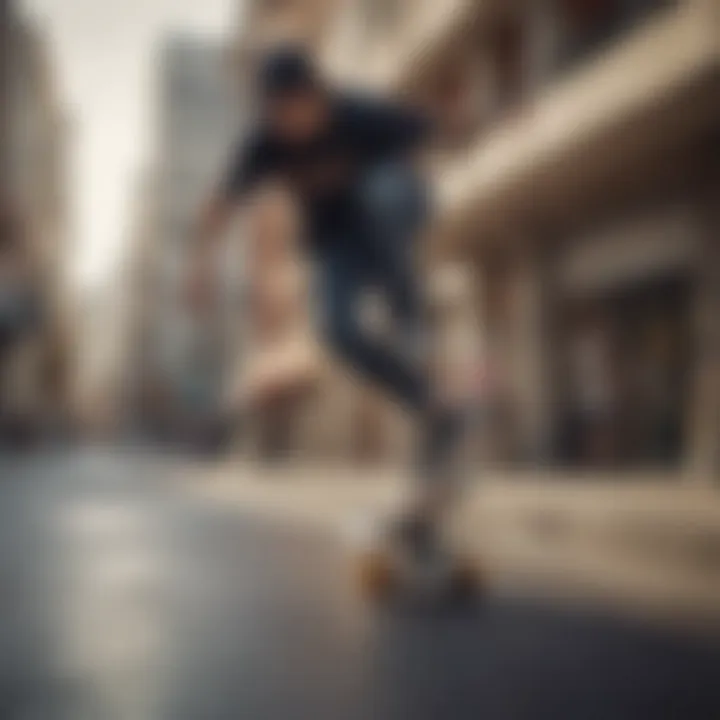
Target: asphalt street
(126,598)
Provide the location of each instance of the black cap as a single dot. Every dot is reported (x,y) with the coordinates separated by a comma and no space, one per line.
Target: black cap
(286,70)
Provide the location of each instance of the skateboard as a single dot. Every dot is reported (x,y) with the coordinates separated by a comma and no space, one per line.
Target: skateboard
(392,567)
(388,565)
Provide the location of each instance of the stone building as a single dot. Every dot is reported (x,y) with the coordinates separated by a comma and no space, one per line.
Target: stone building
(37,376)
(577,181)
(578,169)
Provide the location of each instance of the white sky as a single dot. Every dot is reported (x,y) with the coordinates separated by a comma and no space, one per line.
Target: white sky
(104,51)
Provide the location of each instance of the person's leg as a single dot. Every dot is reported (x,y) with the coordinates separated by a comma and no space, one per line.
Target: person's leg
(395,205)
(344,277)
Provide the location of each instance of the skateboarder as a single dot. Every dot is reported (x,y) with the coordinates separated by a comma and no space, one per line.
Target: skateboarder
(350,163)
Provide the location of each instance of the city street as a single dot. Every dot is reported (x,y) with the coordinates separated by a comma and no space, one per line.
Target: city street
(125,596)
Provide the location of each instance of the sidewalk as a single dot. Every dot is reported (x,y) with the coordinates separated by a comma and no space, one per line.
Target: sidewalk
(651,542)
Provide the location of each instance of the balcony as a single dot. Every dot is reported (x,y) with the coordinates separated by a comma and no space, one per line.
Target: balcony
(653,89)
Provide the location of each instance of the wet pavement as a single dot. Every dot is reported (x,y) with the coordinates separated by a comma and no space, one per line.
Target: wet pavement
(124,597)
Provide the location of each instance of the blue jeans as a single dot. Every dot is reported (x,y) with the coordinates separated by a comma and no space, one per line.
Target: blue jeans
(377,252)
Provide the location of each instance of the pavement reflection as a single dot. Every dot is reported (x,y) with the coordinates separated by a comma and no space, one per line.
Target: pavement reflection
(128,598)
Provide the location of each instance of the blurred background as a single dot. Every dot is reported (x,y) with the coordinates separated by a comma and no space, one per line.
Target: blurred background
(576,174)
(573,269)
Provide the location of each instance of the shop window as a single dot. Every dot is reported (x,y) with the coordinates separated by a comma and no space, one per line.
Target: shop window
(626,369)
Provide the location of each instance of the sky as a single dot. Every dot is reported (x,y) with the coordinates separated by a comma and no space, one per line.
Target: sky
(104,52)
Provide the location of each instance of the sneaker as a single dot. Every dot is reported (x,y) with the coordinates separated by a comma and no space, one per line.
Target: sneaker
(414,534)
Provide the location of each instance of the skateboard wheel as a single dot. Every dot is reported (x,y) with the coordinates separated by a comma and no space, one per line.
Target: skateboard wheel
(376,576)
(466,579)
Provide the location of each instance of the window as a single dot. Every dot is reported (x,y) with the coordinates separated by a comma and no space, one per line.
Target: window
(507,54)
(589,26)
(484,78)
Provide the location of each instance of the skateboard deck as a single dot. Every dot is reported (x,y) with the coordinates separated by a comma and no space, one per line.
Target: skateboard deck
(386,570)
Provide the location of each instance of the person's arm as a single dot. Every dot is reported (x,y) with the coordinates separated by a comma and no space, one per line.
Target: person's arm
(244,172)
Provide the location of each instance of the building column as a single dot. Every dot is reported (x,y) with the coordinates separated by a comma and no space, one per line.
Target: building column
(460,356)
(532,349)
(704,431)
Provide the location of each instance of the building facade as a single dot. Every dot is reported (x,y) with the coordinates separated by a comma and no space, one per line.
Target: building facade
(578,168)
(37,375)
(180,360)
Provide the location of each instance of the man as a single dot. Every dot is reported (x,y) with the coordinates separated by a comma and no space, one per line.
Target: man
(349,162)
